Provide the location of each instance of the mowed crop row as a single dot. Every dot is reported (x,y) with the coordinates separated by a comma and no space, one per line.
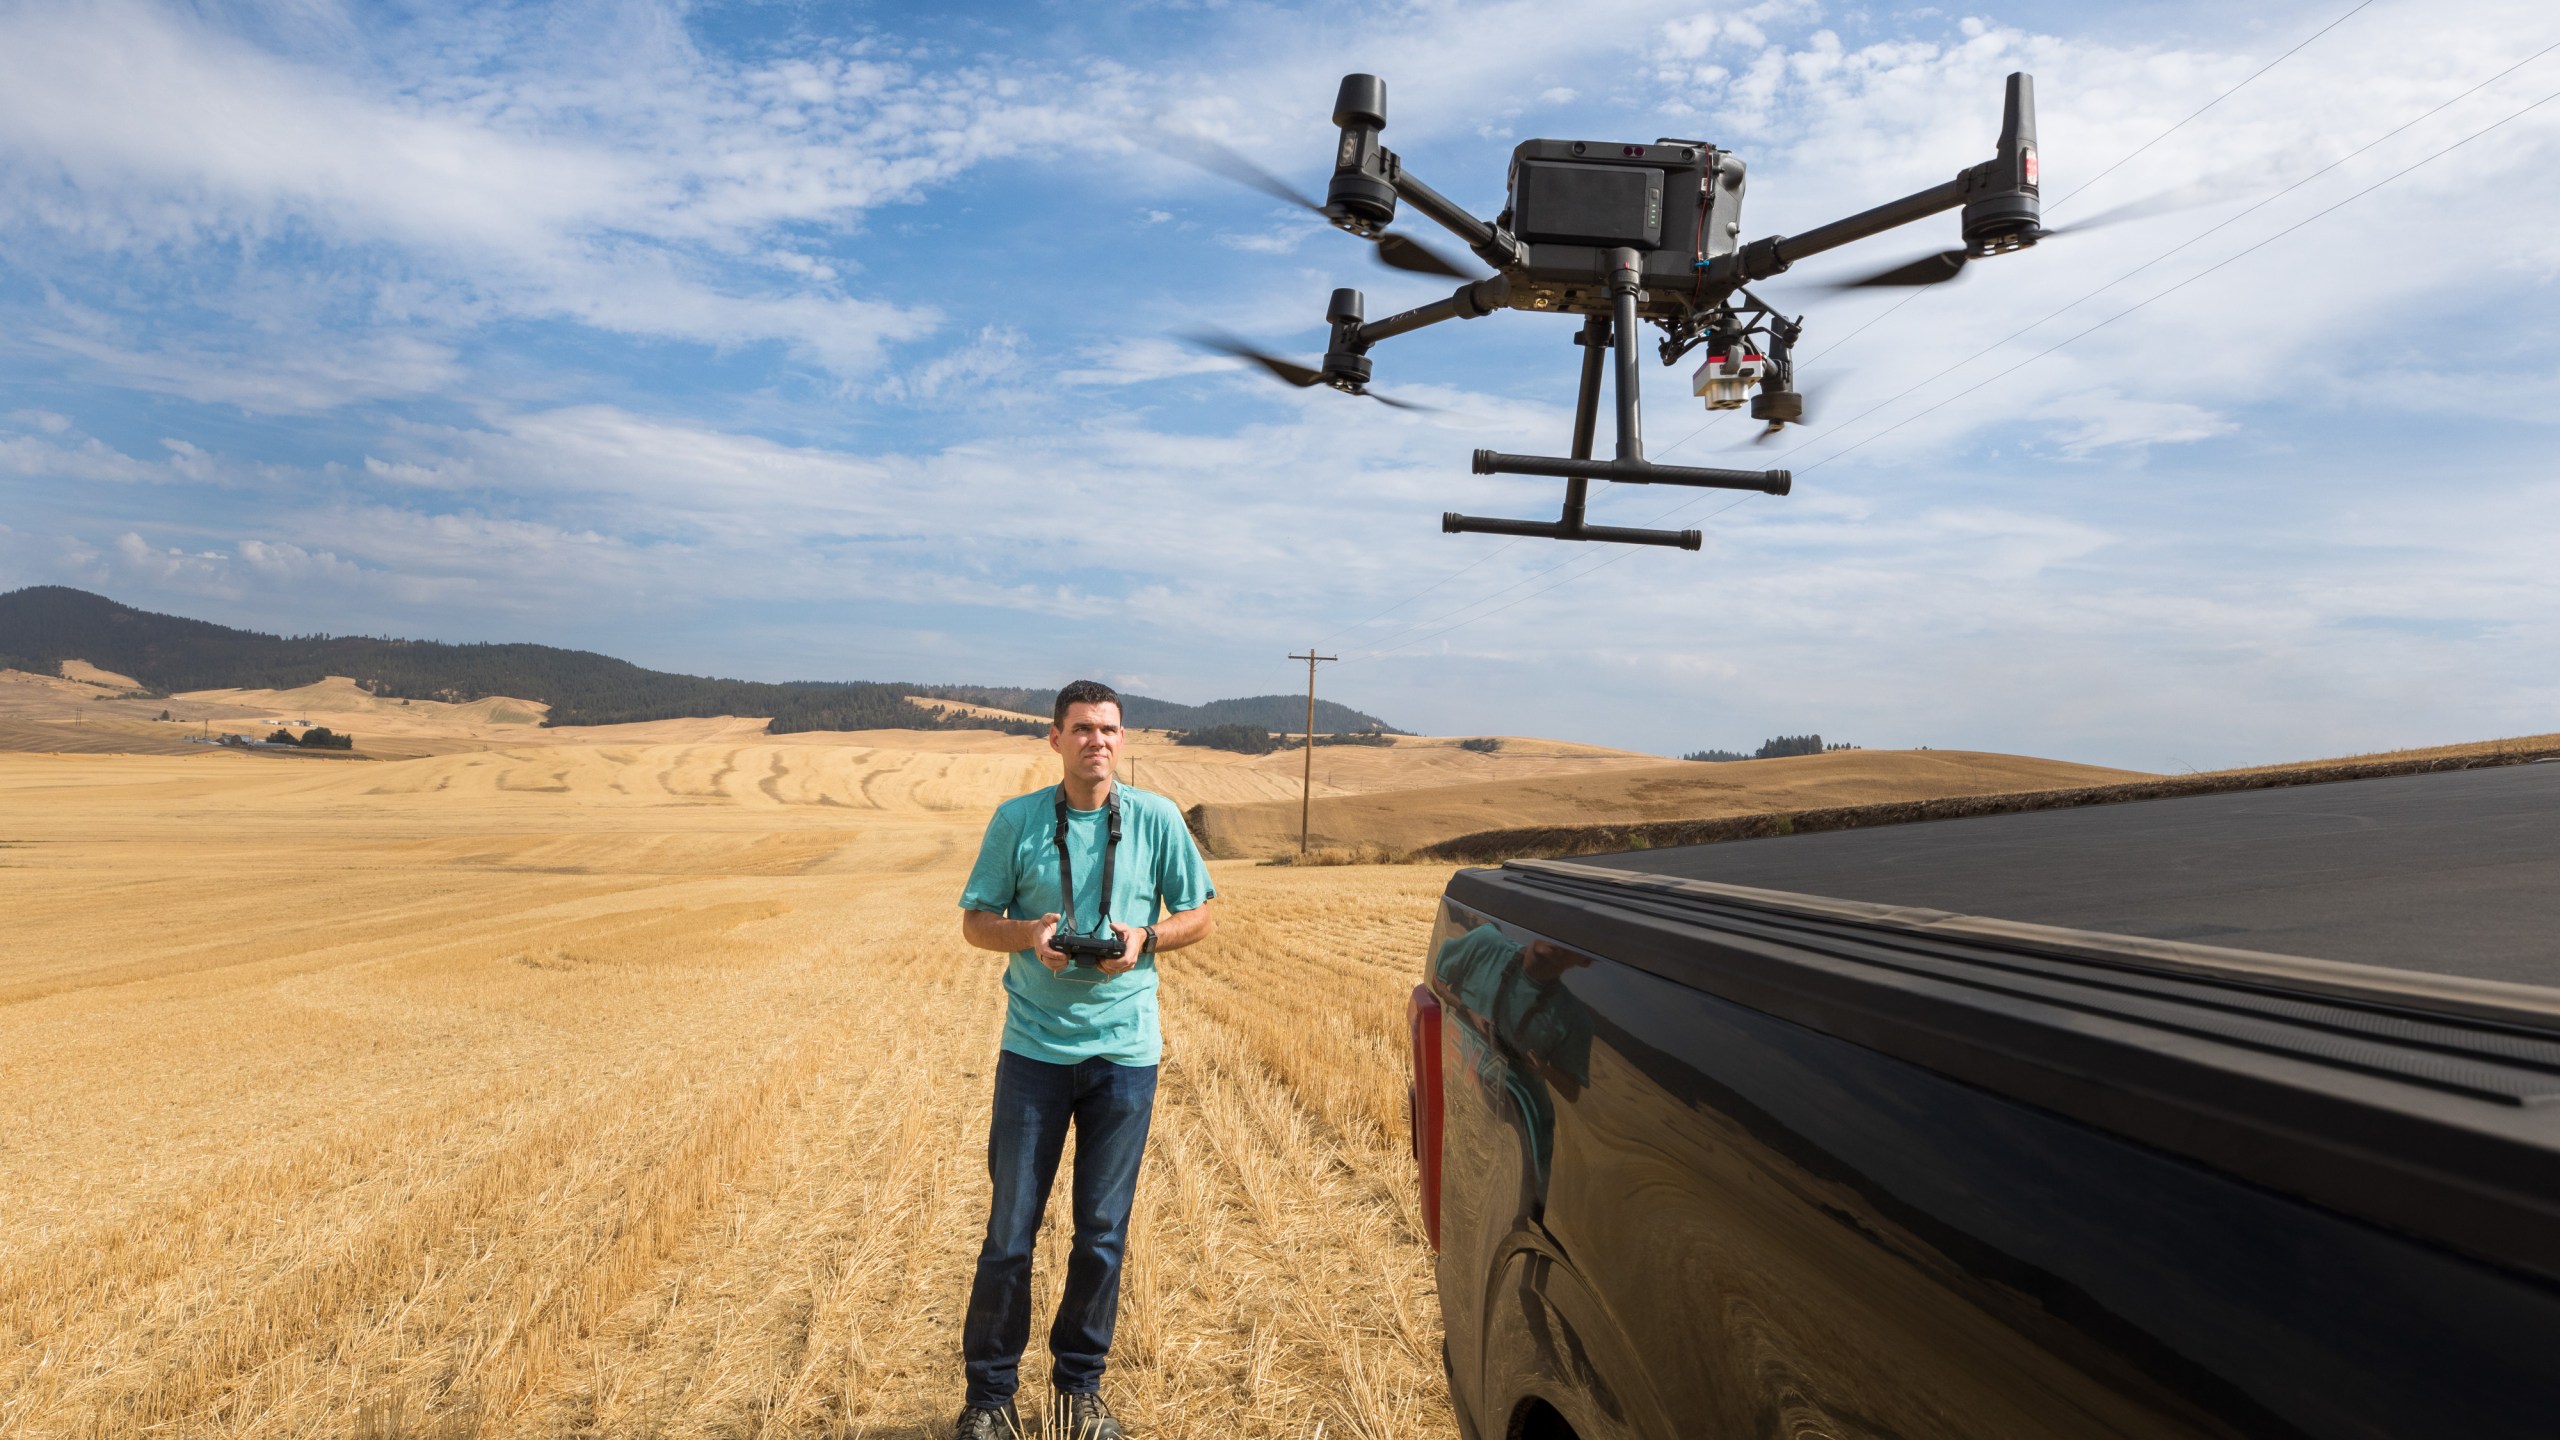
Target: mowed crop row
(353,1102)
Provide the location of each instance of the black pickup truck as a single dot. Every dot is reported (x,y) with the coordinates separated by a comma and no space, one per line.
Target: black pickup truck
(2230,1115)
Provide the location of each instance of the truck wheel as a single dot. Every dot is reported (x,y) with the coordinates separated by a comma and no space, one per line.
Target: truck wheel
(1538,1420)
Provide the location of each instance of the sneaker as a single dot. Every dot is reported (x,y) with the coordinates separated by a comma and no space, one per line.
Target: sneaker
(1081,1417)
(1000,1423)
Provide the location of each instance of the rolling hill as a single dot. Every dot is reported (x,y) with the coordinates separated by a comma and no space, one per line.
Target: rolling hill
(1286,713)
(1630,790)
(43,626)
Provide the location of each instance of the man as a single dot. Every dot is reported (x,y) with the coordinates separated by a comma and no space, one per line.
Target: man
(1080,1048)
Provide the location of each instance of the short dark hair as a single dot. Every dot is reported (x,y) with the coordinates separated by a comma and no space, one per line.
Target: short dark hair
(1083,692)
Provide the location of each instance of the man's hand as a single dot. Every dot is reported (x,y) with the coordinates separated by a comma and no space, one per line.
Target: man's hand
(1056,960)
(990,931)
(1133,940)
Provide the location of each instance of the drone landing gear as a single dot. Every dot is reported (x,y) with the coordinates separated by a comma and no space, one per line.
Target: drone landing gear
(1602,334)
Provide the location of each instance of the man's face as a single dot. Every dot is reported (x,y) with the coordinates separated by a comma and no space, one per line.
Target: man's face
(1088,740)
(1546,962)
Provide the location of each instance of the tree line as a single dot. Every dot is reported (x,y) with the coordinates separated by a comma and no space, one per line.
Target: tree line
(1284,713)
(1774,748)
(1241,739)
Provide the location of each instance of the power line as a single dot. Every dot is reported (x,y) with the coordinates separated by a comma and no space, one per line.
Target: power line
(1874,320)
(1947,370)
(2209,104)
(2190,280)
(2127,158)
(2221,225)
(1888,312)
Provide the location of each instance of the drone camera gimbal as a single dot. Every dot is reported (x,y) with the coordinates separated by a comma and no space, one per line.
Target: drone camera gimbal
(1624,235)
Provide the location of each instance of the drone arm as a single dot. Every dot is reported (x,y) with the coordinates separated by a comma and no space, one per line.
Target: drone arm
(1443,211)
(1468,302)
(1764,258)
(1893,214)
(1494,247)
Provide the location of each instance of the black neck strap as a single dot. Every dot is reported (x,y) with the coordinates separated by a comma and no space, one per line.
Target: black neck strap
(1067,867)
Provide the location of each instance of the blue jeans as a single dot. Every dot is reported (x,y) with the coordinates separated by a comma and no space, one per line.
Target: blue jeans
(1109,1105)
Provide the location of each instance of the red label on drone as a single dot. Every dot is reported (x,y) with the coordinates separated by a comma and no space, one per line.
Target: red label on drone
(2031,167)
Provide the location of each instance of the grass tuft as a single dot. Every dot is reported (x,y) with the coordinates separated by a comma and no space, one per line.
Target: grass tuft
(1340,855)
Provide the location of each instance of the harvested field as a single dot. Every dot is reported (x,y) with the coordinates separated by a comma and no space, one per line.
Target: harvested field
(398,729)
(1412,819)
(50,737)
(1559,841)
(578,1089)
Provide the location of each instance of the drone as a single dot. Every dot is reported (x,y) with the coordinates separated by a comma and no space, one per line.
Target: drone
(1623,234)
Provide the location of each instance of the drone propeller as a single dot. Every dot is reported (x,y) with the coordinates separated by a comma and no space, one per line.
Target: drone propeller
(1800,408)
(1812,402)
(1396,252)
(1948,264)
(1927,270)
(1403,252)
(1288,372)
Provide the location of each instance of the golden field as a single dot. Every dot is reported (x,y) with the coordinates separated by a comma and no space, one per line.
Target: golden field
(633,1082)
(1500,796)
(639,1089)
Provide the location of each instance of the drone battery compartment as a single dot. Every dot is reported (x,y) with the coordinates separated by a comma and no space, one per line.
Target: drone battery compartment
(1563,203)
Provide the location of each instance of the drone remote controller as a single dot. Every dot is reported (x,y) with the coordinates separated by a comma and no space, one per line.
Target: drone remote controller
(1087,949)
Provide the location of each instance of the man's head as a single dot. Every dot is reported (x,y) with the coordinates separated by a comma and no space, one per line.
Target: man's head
(1084,728)
(1545,962)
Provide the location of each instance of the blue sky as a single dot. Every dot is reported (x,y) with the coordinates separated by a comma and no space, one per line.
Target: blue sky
(833,341)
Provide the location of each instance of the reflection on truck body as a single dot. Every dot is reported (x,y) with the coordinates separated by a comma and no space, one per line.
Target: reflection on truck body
(1667,1214)
(1526,1036)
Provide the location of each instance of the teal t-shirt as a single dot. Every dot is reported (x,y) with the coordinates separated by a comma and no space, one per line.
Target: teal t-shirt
(1066,1018)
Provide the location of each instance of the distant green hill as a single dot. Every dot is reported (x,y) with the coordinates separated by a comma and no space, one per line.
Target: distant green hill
(44,625)
(1271,712)
(48,624)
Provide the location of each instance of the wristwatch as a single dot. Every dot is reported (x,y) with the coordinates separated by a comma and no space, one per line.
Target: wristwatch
(1151,941)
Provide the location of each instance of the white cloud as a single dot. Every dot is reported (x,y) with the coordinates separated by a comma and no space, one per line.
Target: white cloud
(313,373)
(1140,360)
(58,457)
(2105,420)
(293,565)
(637,196)
(170,568)
(1269,242)
(973,372)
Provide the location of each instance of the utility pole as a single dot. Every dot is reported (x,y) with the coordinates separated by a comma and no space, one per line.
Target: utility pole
(1307,785)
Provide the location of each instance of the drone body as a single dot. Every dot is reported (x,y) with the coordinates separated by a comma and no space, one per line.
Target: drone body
(1622,235)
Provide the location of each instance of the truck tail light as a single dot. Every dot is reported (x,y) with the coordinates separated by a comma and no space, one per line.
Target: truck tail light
(1422,1014)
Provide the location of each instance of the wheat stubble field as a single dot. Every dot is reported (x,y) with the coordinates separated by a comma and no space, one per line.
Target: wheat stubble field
(632,1081)
(585,1089)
